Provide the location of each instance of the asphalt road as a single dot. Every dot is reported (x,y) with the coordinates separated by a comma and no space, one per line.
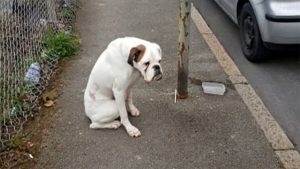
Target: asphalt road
(276,81)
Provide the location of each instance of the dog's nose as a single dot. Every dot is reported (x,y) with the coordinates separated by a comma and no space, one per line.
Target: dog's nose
(156,67)
(156,70)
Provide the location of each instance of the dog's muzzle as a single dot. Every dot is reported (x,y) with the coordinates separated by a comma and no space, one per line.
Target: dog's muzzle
(157,73)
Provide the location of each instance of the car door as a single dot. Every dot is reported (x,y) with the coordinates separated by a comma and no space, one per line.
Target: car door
(230,7)
(219,2)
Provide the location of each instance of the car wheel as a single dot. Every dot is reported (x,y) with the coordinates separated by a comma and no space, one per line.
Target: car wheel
(252,45)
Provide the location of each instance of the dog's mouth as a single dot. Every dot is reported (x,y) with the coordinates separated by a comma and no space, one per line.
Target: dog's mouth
(157,77)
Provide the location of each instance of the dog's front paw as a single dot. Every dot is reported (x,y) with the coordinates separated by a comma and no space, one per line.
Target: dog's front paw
(134,111)
(111,125)
(133,131)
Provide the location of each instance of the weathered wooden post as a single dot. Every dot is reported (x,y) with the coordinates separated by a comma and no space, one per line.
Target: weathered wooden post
(183,47)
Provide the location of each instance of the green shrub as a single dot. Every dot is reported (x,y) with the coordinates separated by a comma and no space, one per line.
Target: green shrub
(59,44)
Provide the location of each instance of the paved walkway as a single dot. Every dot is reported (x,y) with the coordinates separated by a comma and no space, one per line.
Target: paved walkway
(204,131)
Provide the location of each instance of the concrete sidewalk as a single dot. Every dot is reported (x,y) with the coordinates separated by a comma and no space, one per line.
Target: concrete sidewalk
(204,131)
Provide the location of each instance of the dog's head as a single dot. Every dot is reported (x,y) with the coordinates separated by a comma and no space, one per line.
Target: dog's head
(146,59)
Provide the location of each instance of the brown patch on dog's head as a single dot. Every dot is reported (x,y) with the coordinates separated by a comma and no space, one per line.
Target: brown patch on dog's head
(136,54)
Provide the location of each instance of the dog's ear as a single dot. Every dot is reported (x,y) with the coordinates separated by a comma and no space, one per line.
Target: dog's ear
(136,54)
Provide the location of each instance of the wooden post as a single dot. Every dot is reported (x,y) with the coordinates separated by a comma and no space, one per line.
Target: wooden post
(183,47)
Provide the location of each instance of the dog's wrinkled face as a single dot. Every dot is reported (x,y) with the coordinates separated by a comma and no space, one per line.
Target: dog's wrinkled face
(146,59)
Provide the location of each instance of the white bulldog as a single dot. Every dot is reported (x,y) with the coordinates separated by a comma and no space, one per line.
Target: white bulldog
(108,92)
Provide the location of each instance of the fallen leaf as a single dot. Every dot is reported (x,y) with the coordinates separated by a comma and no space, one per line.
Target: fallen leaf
(49,103)
(50,95)
(29,145)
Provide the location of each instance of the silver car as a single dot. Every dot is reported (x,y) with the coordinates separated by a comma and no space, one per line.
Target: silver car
(264,24)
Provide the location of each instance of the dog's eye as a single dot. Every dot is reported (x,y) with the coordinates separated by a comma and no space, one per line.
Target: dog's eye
(159,61)
(147,63)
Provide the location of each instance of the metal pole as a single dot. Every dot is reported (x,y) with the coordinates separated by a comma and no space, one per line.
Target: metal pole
(183,47)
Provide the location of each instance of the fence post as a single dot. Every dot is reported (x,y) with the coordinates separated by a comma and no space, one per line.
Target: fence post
(183,48)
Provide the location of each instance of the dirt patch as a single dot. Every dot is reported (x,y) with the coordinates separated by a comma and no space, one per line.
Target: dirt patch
(35,129)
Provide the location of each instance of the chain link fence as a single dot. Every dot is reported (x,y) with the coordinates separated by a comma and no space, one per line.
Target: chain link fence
(25,68)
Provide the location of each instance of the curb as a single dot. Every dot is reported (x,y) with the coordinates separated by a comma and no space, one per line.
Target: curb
(279,141)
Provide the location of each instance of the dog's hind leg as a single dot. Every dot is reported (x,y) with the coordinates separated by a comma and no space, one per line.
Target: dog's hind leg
(105,116)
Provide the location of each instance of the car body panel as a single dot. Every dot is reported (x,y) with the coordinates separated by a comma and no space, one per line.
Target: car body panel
(278,20)
(230,11)
(230,8)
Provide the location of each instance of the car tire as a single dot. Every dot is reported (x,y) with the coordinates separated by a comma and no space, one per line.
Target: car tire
(252,45)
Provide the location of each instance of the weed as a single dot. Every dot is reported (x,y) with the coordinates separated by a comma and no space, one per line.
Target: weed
(59,45)
(16,141)
(67,12)
(19,104)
